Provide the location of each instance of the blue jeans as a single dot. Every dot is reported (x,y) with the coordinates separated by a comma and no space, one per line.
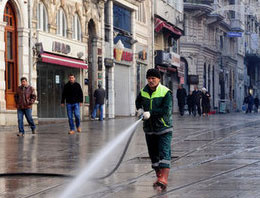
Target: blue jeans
(28,116)
(73,109)
(94,113)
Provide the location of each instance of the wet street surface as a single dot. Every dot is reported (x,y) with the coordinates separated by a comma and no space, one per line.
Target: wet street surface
(212,157)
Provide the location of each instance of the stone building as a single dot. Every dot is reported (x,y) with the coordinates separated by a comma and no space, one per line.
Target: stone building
(210,52)
(14,55)
(127,53)
(167,32)
(45,40)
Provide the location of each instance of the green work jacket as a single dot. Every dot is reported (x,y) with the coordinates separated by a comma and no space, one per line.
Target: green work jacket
(159,104)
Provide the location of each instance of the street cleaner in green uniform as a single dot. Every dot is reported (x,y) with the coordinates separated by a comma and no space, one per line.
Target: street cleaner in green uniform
(154,103)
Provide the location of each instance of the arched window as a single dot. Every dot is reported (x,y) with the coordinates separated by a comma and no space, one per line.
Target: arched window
(61,23)
(42,18)
(76,28)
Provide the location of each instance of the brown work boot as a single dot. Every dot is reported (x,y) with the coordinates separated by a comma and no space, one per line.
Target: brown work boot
(163,179)
(71,132)
(78,129)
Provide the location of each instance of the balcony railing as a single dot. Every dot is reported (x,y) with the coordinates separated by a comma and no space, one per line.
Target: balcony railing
(206,2)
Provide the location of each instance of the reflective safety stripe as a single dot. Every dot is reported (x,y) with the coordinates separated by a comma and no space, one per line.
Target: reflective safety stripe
(151,104)
(164,123)
(165,161)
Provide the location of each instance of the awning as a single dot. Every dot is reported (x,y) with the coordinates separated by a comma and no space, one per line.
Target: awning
(159,24)
(64,61)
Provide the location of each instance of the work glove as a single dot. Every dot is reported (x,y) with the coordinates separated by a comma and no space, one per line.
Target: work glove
(146,115)
(139,112)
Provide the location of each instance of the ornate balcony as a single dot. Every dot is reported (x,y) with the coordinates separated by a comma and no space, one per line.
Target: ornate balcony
(204,6)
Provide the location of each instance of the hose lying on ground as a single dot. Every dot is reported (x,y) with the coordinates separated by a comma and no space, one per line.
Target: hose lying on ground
(33,174)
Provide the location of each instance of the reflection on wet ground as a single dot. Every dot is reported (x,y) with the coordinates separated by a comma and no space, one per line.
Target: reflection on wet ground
(212,157)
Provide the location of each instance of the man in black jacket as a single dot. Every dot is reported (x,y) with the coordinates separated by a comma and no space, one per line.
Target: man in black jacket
(196,95)
(73,95)
(99,96)
(181,96)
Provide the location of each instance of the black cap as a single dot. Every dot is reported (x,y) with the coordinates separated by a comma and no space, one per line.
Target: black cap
(153,73)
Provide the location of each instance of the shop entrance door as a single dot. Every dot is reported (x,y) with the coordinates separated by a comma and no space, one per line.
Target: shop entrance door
(50,83)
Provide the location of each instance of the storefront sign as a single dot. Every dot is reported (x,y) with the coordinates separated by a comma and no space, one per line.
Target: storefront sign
(167,58)
(142,55)
(234,34)
(60,47)
(109,62)
(121,55)
(193,79)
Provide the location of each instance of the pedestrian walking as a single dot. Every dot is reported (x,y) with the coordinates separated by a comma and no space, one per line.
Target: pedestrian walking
(196,94)
(181,96)
(256,102)
(205,101)
(155,103)
(73,95)
(99,95)
(25,97)
(250,104)
(190,103)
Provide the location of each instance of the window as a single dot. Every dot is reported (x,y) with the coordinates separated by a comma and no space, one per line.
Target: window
(76,28)
(122,25)
(42,18)
(140,14)
(122,18)
(61,23)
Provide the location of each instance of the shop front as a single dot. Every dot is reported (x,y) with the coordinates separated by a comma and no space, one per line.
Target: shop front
(57,58)
(168,64)
(123,75)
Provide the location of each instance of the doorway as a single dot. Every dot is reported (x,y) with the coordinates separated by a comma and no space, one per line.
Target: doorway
(11,54)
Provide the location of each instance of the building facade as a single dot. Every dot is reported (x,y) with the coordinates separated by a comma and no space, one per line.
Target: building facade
(66,38)
(127,53)
(167,31)
(213,57)
(14,55)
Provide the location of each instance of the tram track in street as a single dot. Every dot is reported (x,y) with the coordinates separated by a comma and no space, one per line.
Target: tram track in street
(122,185)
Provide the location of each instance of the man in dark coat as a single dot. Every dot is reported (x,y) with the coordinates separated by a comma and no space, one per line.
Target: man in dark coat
(205,102)
(196,94)
(256,102)
(190,103)
(25,97)
(99,95)
(181,96)
(73,95)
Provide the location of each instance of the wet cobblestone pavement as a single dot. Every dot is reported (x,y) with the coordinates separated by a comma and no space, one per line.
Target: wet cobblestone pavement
(214,157)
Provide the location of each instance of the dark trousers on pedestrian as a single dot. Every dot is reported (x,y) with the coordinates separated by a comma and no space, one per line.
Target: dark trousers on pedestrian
(159,149)
(73,109)
(181,109)
(190,109)
(197,108)
(28,116)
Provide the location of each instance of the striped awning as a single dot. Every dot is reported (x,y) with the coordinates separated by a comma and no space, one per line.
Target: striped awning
(63,61)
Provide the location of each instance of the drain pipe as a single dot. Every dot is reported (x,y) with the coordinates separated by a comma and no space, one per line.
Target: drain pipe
(30,41)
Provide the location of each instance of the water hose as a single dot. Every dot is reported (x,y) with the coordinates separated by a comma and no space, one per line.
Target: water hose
(33,174)
(122,155)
